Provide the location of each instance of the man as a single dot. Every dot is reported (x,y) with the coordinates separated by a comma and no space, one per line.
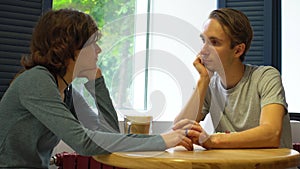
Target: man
(246,102)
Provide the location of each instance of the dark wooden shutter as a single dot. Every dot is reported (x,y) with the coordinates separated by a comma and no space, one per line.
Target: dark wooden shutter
(265,18)
(17,19)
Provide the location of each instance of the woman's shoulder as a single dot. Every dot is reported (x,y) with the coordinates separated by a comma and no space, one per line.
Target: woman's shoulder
(35,75)
(37,72)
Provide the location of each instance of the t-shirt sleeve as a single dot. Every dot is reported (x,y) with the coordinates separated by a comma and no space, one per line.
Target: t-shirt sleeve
(270,87)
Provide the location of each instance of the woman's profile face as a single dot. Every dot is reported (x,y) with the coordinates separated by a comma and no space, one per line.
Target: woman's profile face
(86,59)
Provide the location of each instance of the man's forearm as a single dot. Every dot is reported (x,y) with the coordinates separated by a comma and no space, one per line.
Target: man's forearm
(193,108)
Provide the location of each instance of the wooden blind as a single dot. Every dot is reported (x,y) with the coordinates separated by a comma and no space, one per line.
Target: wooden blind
(265,19)
(17,19)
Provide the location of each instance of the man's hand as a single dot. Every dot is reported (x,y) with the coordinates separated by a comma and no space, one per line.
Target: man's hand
(202,70)
(194,131)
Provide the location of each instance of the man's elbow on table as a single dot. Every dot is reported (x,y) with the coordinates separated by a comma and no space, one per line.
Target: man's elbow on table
(274,138)
(271,135)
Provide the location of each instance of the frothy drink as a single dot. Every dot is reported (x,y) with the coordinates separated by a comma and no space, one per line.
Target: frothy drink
(138,124)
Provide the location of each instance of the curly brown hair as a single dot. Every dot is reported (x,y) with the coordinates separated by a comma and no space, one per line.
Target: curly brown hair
(236,25)
(56,37)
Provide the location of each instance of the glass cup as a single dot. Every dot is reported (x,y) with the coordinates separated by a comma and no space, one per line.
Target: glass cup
(138,124)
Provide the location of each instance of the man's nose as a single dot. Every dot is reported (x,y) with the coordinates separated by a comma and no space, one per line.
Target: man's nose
(205,50)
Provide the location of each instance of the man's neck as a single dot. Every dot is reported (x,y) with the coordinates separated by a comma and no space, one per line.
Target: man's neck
(233,76)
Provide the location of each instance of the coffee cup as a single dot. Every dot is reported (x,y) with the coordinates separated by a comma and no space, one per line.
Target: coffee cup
(138,124)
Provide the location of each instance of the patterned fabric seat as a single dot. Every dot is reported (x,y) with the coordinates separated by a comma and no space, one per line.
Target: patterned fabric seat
(66,160)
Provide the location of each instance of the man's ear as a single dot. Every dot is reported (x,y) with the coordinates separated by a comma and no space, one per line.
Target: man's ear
(239,49)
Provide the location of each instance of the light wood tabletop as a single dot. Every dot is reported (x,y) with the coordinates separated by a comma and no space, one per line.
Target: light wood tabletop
(179,158)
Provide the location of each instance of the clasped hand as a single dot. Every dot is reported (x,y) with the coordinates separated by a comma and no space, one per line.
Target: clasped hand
(194,131)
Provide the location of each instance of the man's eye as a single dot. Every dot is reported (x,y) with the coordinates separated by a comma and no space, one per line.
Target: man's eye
(214,42)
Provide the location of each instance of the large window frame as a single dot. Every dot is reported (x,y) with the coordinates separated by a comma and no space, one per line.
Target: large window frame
(159,89)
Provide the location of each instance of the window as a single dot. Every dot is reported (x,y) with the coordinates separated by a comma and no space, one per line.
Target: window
(290,58)
(175,27)
(148,49)
(116,21)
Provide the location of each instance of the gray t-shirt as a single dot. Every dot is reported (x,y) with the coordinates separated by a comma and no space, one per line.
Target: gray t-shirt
(239,108)
(33,118)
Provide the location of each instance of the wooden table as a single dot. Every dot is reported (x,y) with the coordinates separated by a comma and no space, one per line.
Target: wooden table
(178,158)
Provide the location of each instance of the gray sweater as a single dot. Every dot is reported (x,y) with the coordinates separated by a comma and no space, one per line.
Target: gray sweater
(33,118)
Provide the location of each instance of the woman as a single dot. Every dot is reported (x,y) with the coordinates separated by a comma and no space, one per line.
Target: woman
(33,113)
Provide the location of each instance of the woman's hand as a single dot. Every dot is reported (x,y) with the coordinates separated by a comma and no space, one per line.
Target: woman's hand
(177,138)
(194,131)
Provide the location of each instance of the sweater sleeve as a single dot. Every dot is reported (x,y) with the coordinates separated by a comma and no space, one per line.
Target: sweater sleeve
(107,114)
(85,114)
(41,98)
